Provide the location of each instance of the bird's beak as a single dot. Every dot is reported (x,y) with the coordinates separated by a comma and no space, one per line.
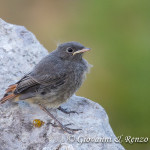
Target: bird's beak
(82,51)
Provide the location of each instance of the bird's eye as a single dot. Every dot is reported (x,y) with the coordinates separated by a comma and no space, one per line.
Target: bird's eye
(69,50)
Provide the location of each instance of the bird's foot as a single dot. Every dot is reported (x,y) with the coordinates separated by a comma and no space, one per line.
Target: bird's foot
(65,127)
(57,122)
(66,111)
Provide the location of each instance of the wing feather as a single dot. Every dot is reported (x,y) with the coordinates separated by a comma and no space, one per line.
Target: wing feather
(45,81)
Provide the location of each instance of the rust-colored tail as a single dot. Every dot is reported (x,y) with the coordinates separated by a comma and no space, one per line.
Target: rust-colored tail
(8,97)
(11,88)
(9,94)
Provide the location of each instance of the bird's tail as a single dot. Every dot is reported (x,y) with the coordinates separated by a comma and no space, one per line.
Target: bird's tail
(9,95)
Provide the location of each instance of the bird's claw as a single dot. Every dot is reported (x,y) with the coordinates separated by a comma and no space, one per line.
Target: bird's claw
(65,128)
(64,110)
(68,124)
(68,130)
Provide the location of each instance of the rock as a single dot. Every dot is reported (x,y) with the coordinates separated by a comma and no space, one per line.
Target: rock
(19,52)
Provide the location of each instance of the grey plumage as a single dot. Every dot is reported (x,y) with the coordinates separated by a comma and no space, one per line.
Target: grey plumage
(55,78)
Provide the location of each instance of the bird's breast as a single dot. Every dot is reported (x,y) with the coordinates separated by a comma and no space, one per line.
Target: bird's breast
(54,97)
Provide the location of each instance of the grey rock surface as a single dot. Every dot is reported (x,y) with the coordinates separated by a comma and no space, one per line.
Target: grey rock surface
(19,52)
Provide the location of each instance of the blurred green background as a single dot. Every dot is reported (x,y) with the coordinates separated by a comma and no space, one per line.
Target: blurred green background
(118,31)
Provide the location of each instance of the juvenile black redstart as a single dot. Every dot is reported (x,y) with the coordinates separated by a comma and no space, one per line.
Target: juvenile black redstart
(53,80)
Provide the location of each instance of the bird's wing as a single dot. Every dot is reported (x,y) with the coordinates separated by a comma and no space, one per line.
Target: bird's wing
(29,81)
(16,89)
(27,86)
(48,72)
(25,83)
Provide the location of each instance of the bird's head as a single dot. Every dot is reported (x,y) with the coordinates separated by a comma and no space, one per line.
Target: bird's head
(71,50)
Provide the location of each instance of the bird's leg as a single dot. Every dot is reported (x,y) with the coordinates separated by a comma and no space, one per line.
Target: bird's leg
(65,110)
(63,127)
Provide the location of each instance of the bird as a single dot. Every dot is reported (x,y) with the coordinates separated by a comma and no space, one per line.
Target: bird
(53,80)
